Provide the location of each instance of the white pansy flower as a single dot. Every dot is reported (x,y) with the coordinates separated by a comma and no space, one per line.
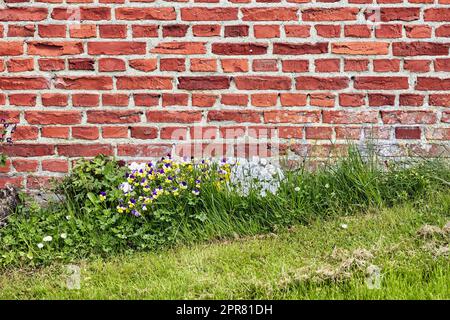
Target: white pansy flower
(344,226)
(64,235)
(134,166)
(47,239)
(40,245)
(297,189)
(126,187)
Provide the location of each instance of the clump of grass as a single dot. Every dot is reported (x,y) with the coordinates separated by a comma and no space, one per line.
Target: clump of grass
(353,184)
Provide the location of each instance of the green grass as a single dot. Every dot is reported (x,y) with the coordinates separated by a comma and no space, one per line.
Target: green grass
(320,260)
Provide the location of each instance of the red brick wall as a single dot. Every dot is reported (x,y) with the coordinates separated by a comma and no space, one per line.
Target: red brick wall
(129,78)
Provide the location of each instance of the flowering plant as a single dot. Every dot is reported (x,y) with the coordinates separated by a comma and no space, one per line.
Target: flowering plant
(156,183)
(257,174)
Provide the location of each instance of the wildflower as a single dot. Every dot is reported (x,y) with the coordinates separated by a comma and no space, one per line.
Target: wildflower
(102,196)
(327,186)
(64,235)
(144,208)
(196,192)
(40,245)
(126,187)
(131,203)
(136,213)
(183,185)
(134,166)
(120,209)
(169,179)
(344,226)
(297,189)
(47,239)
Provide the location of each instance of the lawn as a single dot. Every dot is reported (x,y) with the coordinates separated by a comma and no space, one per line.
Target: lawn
(328,258)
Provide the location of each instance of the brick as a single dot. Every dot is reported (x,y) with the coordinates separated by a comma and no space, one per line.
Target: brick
(318,133)
(291,116)
(294,31)
(270,14)
(266,31)
(144,133)
(150,82)
(262,83)
(55,165)
(84,150)
(145,14)
(84,83)
(54,48)
(54,99)
(381,83)
(25,165)
(203,100)
(293,99)
(116,48)
(85,100)
(234,65)
(20,65)
(85,133)
(203,65)
(321,83)
(52,64)
(21,31)
(345,117)
(432,83)
(115,100)
(23,99)
(419,49)
(203,83)
(300,48)
(437,14)
(206,30)
(111,64)
(53,117)
(329,14)
(328,31)
(399,14)
(142,150)
(172,64)
(55,132)
(175,99)
(234,116)
(234,99)
(180,48)
(173,116)
(417,65)
(295,65)
(209,14)
(408,117)
(114,132)
(116,116)
(11,48)
(360,48)
(239,48)
(23,14)
(145,65)
(23,83)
